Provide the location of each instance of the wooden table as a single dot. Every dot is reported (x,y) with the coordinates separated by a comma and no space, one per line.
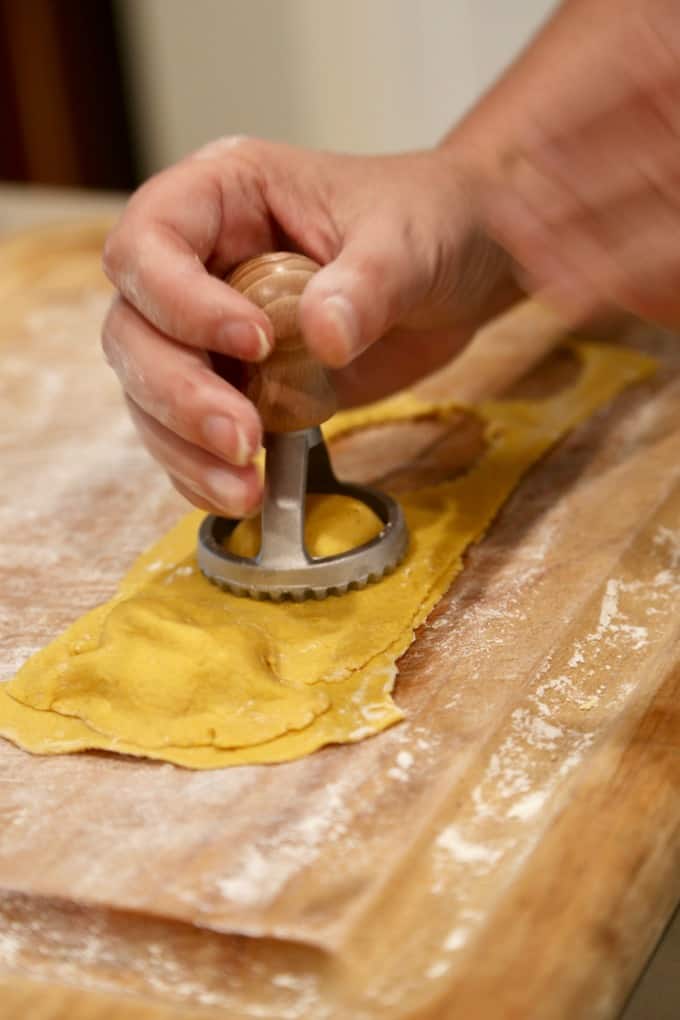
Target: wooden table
(551,907)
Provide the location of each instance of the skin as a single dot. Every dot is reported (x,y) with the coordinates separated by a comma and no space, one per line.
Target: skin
(578,154)
(566,177)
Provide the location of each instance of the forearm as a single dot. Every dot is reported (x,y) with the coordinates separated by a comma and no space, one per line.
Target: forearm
(582,54)
(574,163)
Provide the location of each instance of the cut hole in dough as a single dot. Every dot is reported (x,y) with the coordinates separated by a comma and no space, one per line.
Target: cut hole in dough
(412,454)
(556,373)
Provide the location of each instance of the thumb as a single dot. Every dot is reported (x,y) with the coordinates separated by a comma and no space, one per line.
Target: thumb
(356,299)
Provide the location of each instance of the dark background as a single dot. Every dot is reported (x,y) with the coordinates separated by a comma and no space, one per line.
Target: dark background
(64,108)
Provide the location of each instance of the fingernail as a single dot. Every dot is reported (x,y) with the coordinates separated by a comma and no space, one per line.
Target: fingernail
(228,491)
(244,340)
(265,347)
(228,438)
(244,452)
(341,313)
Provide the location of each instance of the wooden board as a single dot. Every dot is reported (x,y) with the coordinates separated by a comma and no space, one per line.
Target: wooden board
(511,850)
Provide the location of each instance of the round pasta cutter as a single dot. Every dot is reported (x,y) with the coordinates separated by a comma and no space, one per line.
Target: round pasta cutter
(294,396)
(298,463)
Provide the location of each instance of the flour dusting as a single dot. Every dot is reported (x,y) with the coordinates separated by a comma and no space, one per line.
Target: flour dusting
(52,469)
(461,850)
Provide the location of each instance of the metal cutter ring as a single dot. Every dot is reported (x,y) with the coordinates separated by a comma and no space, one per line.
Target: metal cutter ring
(298,462)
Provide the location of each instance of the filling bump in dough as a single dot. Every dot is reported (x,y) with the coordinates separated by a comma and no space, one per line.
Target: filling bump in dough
(174,668)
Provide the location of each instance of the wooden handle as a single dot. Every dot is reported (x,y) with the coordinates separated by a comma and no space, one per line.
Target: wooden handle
(290,390)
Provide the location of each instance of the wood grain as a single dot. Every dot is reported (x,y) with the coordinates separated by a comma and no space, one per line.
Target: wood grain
(290,389)
(511,850)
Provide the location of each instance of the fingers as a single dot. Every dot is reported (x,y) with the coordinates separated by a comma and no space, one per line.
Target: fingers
(156,256)
(204,479)
(358,297)
(176,386)
(194,497)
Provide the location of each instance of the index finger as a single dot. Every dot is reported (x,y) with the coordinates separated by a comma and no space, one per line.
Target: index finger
(157,257)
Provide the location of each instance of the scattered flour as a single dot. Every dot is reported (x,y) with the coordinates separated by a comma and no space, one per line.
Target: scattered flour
(669,540)
(461,850)
(256,880)
(611,617)
(262,870)
(46,521)
(400,771)
(528,806)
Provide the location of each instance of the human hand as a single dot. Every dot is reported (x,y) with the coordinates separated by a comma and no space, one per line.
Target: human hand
(406,280)
(586,195)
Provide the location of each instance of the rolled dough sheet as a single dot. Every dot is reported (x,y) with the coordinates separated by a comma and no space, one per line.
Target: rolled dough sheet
(175,669)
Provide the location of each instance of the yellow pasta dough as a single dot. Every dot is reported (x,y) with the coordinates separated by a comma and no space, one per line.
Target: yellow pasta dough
(174,668)
(333,525)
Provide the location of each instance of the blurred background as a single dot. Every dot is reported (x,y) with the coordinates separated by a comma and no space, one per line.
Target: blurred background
(102,93)
(99,94)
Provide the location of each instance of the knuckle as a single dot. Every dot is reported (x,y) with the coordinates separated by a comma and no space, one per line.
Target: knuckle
(240,145)
(143,196)
(375,264)
(138,283)
(223,146)
(108,344)
(130,267)
(110,332)
(111,254)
